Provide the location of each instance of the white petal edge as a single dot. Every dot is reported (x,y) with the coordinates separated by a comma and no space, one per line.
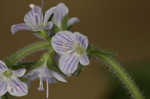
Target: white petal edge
(19,72)
(19,27)
(84,60)
(59,77)
(3,66)
(72,21)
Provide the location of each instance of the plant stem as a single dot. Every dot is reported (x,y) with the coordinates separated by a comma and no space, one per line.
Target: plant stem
(34,47)
(123,75)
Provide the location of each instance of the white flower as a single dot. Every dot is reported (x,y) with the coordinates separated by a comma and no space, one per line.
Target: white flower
(10,83)
(72,50)
(34,20)
(45,74)
(59,12)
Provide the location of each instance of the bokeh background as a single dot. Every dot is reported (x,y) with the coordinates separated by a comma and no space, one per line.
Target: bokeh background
(122,26)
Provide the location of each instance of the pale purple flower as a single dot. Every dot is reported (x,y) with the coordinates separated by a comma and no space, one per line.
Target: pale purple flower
(33,21)
(59,12)
(45,74)
(10,83)
(72,50)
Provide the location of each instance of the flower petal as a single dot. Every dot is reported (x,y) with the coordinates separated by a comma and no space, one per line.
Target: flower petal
(19,72)
(18,27)
(83,40)
(84,60)
(63,42)
(17,88)
(3,66)
(60,12)
(32,75)
(34,17)
(58,77)
(48,14)
(72,21)
(3,87)
(68,64)
(49,26)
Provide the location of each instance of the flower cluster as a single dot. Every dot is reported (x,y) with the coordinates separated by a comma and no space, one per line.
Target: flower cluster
(70,47)
(66,54)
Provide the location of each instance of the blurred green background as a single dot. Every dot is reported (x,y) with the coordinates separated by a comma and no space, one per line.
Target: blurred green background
(122,26)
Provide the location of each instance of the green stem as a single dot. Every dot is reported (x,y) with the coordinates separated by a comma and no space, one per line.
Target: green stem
(123,75)
(5,96)
(19,55)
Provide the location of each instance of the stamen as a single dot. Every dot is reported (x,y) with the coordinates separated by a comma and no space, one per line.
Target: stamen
(47,89)
(41,88)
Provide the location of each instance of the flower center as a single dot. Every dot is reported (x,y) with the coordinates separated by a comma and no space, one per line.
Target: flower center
(8,73)
(79,49)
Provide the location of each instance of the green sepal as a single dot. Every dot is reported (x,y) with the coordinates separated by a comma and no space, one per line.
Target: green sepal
(55,29)
(92,50)
(64,23)
(23,79)
(43,34)
(26,65)
(51,63)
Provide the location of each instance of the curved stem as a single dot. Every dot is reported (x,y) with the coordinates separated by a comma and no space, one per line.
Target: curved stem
(38,46)
(123,75)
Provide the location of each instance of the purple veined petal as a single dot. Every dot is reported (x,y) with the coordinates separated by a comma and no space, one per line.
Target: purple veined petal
(60,12)
(68,64)
(34,17)
(63,42)
(17,88)
(48,14)
(72,21)
(84,60)
(58,77)
(3,87)
(19,72)
(32,75)
(18,27)
(3,66)
(83,40)
(49,26)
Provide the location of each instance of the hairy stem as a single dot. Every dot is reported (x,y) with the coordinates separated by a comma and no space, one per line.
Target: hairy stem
(38,46)
(123,75)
